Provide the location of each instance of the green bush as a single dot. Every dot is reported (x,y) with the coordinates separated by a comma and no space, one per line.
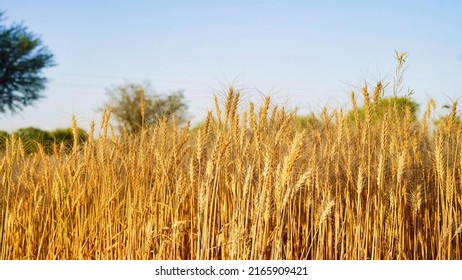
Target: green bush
(307,121)
(3,137)
(65,136)
(392,105)
(33,137)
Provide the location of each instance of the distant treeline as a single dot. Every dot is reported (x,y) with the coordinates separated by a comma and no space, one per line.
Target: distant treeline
(32,138)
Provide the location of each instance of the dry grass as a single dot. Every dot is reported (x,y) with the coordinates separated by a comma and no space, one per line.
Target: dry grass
(245,185)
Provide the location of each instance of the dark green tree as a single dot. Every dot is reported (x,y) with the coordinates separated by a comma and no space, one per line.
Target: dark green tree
(66,136)
(397,105)
(3,137)
(33,137)
(307,121)
(136,105)
(22,59)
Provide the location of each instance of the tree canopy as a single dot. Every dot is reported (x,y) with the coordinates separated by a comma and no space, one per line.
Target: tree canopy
(399,105)
(134,105)
(22,59)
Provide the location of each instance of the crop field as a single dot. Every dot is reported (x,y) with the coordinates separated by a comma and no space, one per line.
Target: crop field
(251,182)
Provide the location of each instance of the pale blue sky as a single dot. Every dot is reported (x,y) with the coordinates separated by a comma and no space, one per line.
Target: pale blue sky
(303,53)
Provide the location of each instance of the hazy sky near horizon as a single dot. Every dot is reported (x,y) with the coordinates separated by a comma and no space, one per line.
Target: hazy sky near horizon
(307,54)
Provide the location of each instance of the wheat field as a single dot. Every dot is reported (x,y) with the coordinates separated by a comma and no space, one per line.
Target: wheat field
(249,183)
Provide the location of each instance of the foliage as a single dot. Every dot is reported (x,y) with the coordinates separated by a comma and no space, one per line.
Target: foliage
(34,138)
(376,107)
(66,136)
(22,59)
(3,137)
(398,105)
(137,105)
(307,121)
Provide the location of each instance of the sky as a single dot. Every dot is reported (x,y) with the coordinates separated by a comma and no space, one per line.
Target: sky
(304,54)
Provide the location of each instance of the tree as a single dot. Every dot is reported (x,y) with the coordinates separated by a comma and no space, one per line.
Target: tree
(3,138)
(65,136)
(33,138)
(389,105)
(136,105)
(307,121)
(22,59)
